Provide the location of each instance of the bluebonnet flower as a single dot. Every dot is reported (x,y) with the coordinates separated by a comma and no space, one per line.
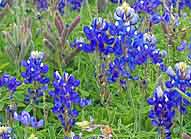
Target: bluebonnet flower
(182,46)
(179,78)
(80,44)
(99,38)
(11,83)
(167,99)
(155,18)
(138,51)
(65,98)
(117,70)
(35,69)
(162,111)
(60,6)
(3,3)
(101,34)
(185,46)
(34,95)
(166,17)
(42,5)
(189,47)
(150,7)
(27,120)
(126,14)
(184,3)
(117,1)
(35,73)
(73,4)
(147,6)
(129,46)
(5,132)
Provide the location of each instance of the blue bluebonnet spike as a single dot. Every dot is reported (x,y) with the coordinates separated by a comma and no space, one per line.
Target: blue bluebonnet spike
(42,5)
(66,98)
(182,46)
(26,119)
(9,82)
(3,3)
(5,132)
(162,111)
(35,73)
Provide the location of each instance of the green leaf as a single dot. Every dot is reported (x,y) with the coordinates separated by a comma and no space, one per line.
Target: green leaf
(19,97)
(51,132)
(84,93)
(2,106)
(29,108)
(2,66)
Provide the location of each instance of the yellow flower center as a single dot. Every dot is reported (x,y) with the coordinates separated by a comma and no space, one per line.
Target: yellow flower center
(182,66)
(125,6)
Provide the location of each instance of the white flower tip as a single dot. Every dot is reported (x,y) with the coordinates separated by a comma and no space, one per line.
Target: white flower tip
(37,54)
(170,71)
(159,91)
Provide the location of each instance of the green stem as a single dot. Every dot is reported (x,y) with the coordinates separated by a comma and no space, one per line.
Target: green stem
(181,123)
(45,110)
(183,94)
(133,106)
(59,63)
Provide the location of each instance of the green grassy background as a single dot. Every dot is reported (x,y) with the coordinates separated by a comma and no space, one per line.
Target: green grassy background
(128,110)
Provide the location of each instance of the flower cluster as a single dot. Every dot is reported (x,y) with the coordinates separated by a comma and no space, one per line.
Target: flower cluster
(116,1)
(42,5)
(99,36)
(34,74)
(150,6)
(34,95)
(126,14)
(5,132)
(132,48)
(9,82)
(179,78)
(65,98)
(147,6)
(165,101)
(102,34)
(27,120)
(35,69)
(60,6)
(122,39)
(3,3)
(185,45)
(74,136)
(73,4)
(162,112)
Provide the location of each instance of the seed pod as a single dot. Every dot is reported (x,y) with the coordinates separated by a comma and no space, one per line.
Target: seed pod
(74,23)
(56,42)
(59,24)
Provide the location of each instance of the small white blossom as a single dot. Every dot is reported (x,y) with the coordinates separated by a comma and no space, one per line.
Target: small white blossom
(159,91)
(37,54)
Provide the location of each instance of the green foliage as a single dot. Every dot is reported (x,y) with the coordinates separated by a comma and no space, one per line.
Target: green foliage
(128,110)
